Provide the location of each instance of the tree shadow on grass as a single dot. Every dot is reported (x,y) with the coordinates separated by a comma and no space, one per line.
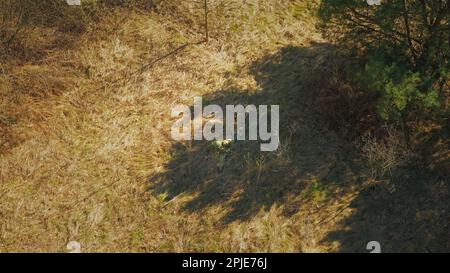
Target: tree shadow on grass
(409,215)
(410,212)
(311,164)
(244,179)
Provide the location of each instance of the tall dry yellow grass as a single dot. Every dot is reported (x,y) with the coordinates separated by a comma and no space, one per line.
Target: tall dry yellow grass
(81,135)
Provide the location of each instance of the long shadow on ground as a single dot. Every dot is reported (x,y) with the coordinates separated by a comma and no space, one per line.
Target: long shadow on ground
(410,211)
(310,157)
(312,162)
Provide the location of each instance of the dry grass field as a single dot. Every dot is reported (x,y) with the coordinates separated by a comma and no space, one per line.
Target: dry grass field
(86,153)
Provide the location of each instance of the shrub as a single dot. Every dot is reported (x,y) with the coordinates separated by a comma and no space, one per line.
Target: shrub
(405,49)
(384,154)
